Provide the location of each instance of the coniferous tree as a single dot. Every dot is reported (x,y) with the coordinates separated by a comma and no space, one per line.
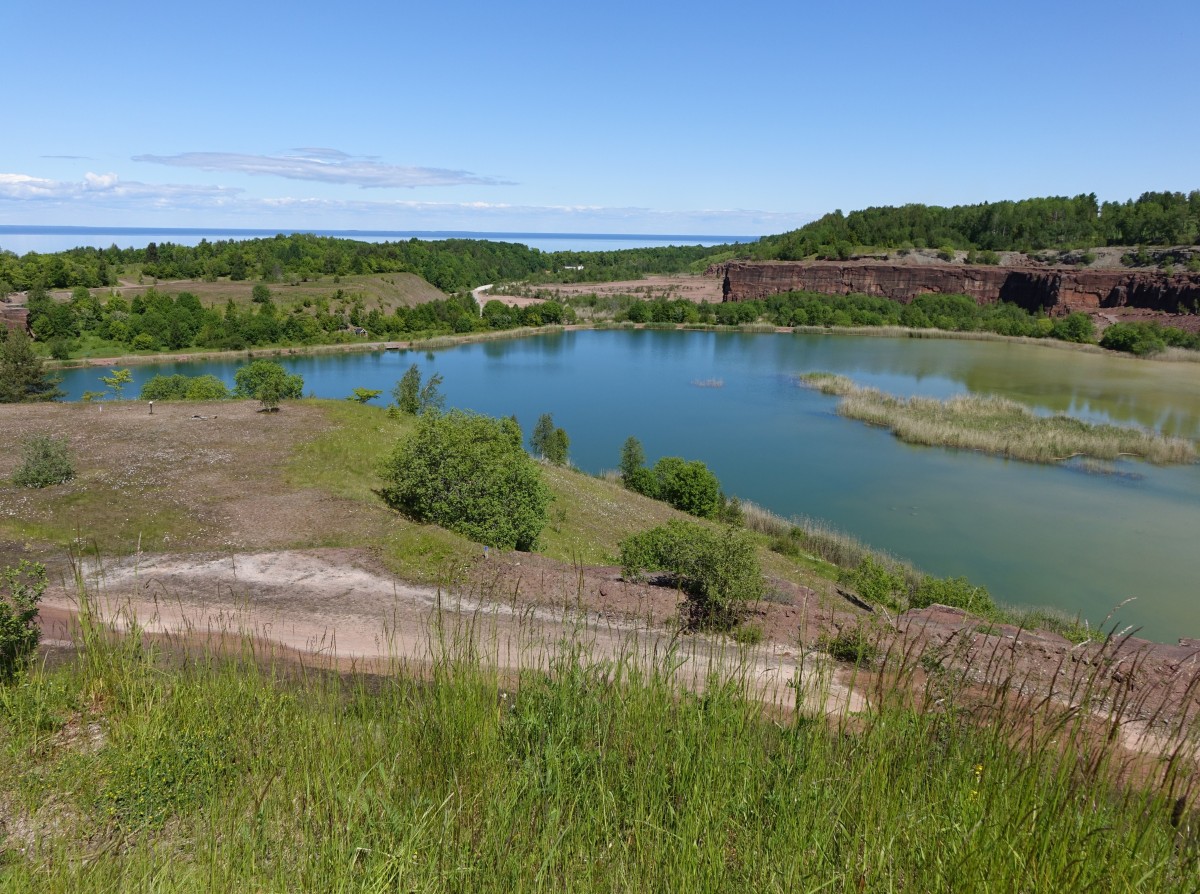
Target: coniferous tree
(23,376)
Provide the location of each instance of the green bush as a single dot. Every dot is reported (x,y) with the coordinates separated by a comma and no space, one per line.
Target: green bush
(876,583)
(689,486)
(45,460)
(469,473)
(23,586)
(1134,338)
(718,570)
(179,387)
(1076,327)
(957,592)
(268,382)
(850,644)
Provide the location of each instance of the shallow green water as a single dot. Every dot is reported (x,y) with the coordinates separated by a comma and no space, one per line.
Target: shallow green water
(1034,535)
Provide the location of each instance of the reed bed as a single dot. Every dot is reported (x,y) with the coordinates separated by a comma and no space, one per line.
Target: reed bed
(997,425)
(129,768)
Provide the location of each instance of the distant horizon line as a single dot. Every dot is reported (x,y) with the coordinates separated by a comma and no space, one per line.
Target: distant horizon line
(71,230)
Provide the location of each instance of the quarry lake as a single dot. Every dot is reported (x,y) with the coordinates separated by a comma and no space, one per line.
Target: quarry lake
(1034,535)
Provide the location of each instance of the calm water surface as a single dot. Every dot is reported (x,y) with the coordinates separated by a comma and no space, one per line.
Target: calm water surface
(1034,535)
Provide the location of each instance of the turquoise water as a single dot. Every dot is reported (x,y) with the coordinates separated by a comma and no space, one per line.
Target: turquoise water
(1034,535)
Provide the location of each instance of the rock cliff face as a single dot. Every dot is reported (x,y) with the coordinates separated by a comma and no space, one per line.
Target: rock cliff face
(14,317)
(1059,290)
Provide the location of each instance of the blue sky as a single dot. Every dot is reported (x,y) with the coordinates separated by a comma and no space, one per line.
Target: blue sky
(617,117)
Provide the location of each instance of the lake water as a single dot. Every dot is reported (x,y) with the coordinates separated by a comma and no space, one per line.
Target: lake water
(45,239)
(1034,535)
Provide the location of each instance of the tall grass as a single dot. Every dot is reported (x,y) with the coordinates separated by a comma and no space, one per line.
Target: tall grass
(997,425)
(126,771)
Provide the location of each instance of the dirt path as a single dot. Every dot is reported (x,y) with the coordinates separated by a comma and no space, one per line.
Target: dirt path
(332,604)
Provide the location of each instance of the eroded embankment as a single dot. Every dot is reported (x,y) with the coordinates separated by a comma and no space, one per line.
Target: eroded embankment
(332,606)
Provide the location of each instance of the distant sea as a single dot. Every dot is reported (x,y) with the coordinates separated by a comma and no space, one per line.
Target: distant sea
(23,239)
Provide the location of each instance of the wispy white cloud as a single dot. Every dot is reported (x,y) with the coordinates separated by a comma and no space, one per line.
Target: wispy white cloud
(109,189)
(104,198)
(325,166)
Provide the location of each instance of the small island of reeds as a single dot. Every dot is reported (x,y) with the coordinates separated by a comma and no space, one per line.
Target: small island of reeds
(997,425)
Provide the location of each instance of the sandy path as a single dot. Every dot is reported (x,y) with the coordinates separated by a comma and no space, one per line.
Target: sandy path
(317,603)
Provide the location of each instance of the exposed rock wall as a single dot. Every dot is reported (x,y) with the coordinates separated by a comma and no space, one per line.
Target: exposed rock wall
(1059,290)
(14,317)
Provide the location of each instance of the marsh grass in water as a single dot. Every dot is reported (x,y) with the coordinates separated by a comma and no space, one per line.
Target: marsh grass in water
(996,425)
(129,768)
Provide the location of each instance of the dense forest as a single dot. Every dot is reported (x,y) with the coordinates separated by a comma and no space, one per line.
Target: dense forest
(453,265)
(157,321)
(1057,222)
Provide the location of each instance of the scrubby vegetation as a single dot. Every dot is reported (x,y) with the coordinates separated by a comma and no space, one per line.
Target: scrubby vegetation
(470,474)
(45,460)
(688,485)
(997,425)
(181,387)
(955,313)
(21,589)
(717,569)
(238,772)
(1144,339)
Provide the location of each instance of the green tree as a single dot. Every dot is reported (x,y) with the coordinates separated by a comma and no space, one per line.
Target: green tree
(469,473)
(116,381)
(687,485)
(548,442)
(23,376)
(363,395)
(267,382)
(717,570)
(23,586)
(558,450)
(543,431)
(431,399)
(407,392)
(413,398)
(633,458)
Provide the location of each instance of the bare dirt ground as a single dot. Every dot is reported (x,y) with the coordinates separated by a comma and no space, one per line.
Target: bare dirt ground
(697,288)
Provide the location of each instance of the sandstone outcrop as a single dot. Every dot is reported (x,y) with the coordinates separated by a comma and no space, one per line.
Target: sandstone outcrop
(14,317)
(1057,290)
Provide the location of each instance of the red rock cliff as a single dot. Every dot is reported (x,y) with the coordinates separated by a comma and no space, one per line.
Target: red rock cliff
(14,317)
(1059,290)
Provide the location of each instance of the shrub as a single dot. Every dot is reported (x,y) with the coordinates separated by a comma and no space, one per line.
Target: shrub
(45,460)
(1133,338)
(23,586)
(853,645)
(268,382)
(1076,327)
(875,582)
(717,570)
(180,387)
(957,592)
(470,474)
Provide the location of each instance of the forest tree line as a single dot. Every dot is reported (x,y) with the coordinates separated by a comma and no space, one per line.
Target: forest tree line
(1055,222)
(452,265)
(158,321)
